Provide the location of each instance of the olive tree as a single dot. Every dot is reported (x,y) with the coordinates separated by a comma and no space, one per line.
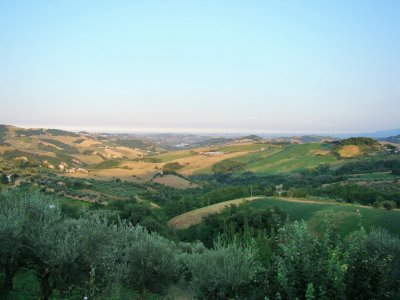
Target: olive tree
(51,243)
(103,254)
(153,261)
(227,271)
(11,237)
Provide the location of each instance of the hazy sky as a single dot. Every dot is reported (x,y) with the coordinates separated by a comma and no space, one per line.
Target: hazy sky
(255,66)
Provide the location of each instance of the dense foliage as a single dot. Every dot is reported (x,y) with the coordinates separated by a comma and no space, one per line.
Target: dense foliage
(172,167)
(97,257)
(359,141)
(3,133)
(227,166)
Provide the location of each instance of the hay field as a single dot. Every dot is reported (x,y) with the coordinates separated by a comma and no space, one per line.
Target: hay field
(349,151)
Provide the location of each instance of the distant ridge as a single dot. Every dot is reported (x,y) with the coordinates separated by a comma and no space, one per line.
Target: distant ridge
(392,139)
(376,134)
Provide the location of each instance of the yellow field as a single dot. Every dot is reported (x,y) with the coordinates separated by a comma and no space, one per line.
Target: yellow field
(88,143)
(129,171)
(200,162)
(174,181)
(349,151)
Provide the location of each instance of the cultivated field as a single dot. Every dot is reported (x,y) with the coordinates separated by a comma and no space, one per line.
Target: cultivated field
(348,217)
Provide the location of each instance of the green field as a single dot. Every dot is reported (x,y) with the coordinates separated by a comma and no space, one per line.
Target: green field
(247,147)
(289,159)
(346,216)
(73,202)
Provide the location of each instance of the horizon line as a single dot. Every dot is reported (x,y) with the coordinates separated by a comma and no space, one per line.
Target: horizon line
(177,130)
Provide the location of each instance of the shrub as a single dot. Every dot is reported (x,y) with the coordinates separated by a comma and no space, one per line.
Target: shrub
(152,261)
(299,259)
(172,167)
(388,204)
(227,271)
(373,266)
(227,166)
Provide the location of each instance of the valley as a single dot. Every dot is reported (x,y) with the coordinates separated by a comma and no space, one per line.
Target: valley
(201,191)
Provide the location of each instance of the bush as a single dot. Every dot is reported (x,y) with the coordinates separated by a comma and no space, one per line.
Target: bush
(152,261)
(299,259)
(373,266)
(227,166)
(227,271)
(107,164)
(389,205)
(172,167)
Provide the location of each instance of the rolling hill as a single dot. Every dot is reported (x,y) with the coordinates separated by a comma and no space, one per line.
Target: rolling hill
(347,217)
(138,159)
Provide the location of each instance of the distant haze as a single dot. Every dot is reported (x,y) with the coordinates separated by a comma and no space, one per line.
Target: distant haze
(201,66)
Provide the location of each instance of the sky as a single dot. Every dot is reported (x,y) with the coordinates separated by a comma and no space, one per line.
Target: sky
(201,66)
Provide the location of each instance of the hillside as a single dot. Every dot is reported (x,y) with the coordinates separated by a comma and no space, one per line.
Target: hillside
(392,139)
(52,148)
(358,146)
(141,159)
(348,217)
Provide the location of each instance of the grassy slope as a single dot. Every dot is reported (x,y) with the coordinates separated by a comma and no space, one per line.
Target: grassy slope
(291,159)
(346,216)
(170,156)
(195,216)
(314,211)
(244,147)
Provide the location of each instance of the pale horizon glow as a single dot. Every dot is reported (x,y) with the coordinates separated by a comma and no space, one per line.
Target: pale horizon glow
(206,131)
(201,66)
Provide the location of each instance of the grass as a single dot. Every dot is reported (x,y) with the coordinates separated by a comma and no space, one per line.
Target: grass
(27,287)
(195,216)
(246,147)
(291,159)
(73,202)
(108,164)
(346,216)
(170,156)
(253,157)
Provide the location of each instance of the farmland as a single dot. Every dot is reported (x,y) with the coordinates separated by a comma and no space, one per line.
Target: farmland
(229,194)
(348,217)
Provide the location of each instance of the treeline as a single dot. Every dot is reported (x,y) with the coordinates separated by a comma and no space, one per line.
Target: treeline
(359,141)
(236,221)
(3,133)
(92,256)
(227,166)
(370,166)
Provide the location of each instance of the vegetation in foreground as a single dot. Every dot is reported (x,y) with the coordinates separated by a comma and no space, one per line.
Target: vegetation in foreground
(94,256)
(107,237)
